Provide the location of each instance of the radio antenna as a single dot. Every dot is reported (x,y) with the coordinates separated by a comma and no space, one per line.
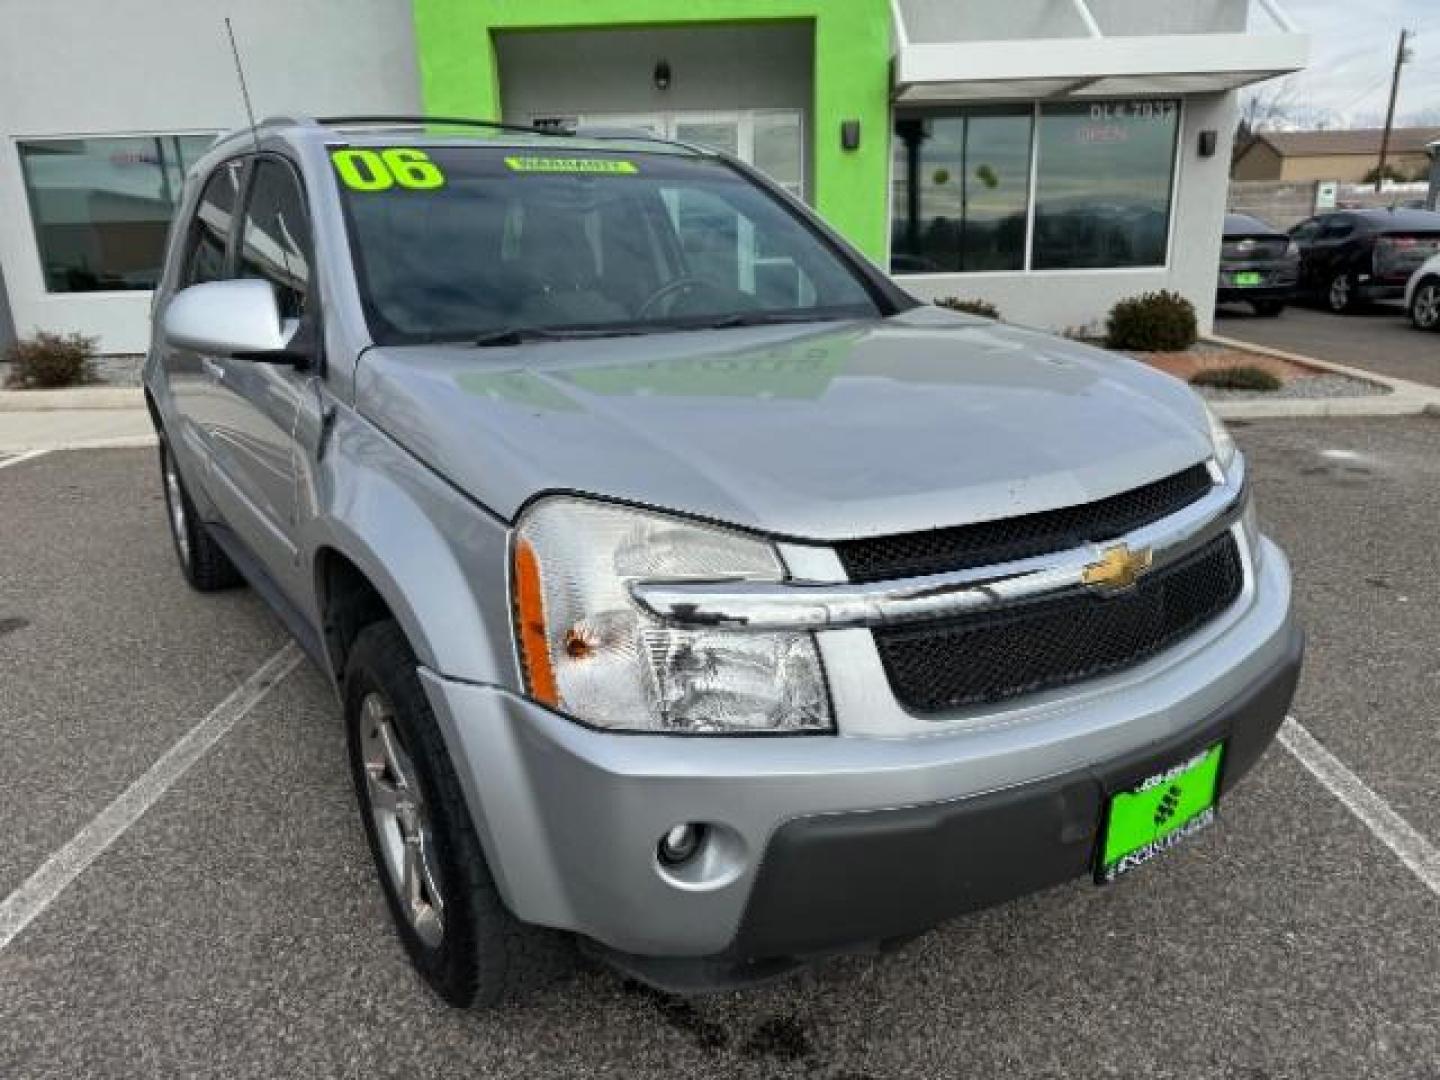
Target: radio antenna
(244,90)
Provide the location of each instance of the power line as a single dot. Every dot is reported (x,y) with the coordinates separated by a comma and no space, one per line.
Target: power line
(1376,85)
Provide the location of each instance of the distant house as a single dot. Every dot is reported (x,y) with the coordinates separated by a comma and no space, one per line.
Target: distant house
(1332,155)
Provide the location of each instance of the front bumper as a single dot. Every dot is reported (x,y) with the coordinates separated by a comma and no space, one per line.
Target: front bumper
(1241,294)
(824,842)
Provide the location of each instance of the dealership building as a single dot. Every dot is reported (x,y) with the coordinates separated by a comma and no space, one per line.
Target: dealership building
(1050,156)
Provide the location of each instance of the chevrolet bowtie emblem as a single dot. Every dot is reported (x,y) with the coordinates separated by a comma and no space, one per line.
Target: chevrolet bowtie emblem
(1118,568)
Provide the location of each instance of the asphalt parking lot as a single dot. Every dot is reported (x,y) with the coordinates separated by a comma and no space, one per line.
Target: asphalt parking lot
(236,928)
(1378,338)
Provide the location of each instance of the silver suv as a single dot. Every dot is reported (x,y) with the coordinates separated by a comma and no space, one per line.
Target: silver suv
(691,592)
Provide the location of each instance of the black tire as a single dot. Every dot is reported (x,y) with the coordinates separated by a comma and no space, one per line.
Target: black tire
(202,561)
(484,955)
(1340,295)
(1268,309)
(1425,305)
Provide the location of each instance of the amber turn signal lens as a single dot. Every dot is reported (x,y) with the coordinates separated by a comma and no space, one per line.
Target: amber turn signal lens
(534,642)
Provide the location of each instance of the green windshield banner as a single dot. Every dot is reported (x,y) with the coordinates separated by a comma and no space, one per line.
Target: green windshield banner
(608,166)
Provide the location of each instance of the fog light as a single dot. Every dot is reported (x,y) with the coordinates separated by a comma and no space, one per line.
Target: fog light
(680,844)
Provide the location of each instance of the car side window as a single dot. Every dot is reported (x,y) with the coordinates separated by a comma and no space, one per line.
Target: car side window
(275,235)
(1337,229)
(210,231)
(1306,230)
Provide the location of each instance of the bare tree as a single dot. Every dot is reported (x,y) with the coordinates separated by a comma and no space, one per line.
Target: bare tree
(1277,106)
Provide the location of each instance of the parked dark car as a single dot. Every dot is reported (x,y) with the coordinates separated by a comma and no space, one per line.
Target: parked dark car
(1259,265)
(1351,257)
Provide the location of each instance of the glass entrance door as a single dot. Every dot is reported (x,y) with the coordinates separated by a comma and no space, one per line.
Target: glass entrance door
(770,139)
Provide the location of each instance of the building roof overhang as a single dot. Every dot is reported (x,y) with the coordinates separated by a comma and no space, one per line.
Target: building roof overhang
(1090,63)
(1092,68)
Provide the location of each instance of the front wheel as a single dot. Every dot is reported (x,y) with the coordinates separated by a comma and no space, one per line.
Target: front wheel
(457,931)
(1268,309)
(1425,305)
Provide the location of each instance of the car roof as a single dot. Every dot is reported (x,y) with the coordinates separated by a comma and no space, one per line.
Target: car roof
(1236,224)
(451,131)
(1392,218)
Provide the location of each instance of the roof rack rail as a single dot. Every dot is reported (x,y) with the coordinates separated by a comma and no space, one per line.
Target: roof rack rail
(260,125)
(281,121)
(581,131)
(454,121)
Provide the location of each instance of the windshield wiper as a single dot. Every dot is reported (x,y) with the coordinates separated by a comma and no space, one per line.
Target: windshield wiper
(765,318)
(520,335)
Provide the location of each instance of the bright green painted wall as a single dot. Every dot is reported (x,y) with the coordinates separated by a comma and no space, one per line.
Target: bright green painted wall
(459,77)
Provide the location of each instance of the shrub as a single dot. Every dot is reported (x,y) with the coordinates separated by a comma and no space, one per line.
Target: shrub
(50,360)
(1239,377)
(1154,322)
(983,308)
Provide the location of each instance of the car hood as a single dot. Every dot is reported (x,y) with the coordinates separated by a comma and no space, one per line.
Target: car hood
(822,431)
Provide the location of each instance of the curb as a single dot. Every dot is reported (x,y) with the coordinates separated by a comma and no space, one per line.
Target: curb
(1405,398)
(89,397)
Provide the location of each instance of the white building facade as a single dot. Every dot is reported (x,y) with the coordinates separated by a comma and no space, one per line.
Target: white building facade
(1049,156)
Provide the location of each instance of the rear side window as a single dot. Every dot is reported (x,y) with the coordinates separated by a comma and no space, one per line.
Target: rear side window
(210,232)
(1337,229)
(275,236)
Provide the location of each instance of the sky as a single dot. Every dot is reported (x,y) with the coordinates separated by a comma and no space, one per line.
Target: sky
(1352,53)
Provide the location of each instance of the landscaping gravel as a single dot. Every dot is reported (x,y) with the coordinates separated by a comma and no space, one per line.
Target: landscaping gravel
(1312,388)
(119,370)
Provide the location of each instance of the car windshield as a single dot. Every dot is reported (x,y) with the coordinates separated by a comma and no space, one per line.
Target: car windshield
(502,245)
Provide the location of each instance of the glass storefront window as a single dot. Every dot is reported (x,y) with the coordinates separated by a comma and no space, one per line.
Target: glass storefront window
(1105,176)
(962,186)
(101,206)
(962,199)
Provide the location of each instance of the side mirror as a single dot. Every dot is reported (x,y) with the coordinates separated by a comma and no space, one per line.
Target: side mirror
(232,318)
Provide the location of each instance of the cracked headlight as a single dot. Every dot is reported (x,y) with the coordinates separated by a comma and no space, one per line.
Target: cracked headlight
(587,649)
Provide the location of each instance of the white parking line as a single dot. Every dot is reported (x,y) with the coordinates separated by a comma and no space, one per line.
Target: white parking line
(26,456)
(1417,853)
(39,891)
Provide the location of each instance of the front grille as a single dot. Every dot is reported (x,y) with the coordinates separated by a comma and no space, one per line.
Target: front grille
(988,657)
(989,542)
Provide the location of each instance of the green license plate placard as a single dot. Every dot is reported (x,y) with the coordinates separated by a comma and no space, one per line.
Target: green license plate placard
(1159,813)
(1249,277)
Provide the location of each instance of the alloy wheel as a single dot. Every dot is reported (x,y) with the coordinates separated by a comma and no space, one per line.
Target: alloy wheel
(1426,309)
(402,820)
(1340,293)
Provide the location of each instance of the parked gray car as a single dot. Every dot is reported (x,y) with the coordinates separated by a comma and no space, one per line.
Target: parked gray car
(1259,266)
(690,591)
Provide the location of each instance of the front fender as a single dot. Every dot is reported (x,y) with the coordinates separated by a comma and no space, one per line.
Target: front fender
(436,558)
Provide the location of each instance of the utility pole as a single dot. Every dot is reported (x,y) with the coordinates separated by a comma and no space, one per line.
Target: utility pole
(1401,56)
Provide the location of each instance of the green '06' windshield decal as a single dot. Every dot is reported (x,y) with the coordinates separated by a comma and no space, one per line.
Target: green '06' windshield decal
(610,166)
(380,170)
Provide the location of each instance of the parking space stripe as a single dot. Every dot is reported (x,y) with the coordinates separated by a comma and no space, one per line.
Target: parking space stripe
(39,891)
(18,458)
(1417,853)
